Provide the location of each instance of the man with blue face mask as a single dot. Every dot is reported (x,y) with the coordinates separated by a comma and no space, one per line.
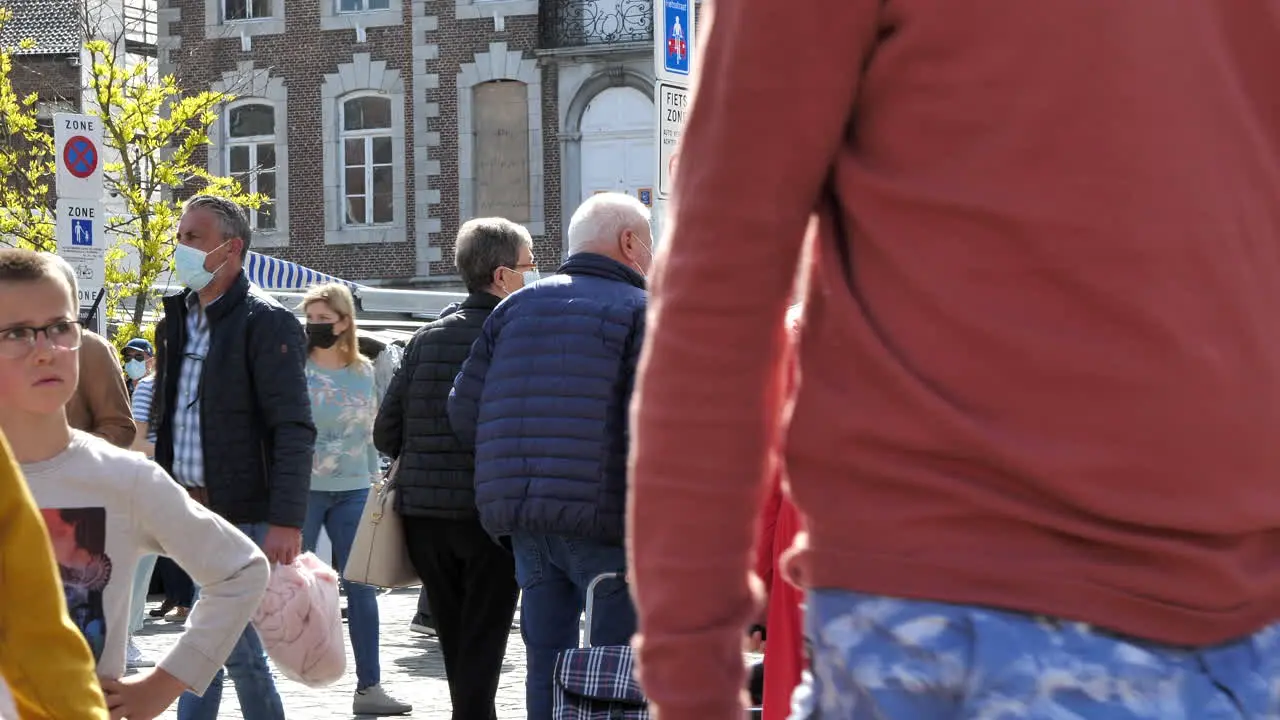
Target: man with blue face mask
(137,358)
(234,422)
(543,397)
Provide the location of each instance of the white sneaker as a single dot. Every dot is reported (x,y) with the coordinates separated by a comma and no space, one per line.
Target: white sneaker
(373,700)
(134,658)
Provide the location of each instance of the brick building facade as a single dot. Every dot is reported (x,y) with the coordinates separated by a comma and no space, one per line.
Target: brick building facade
(45,36)
(380,125)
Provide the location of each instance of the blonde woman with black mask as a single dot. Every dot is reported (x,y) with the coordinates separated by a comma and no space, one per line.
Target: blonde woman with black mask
(343,406)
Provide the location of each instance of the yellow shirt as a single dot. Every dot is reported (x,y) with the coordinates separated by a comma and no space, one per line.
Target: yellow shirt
(43,658)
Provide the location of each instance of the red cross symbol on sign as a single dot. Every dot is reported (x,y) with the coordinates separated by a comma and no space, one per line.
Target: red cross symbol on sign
(80,157)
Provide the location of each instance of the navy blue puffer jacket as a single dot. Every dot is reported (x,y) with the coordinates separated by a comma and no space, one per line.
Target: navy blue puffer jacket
(544,396)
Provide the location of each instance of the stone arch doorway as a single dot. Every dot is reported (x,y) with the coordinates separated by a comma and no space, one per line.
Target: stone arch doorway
(608,142)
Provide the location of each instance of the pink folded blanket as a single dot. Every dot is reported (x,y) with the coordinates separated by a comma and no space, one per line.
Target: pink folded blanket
(301,624)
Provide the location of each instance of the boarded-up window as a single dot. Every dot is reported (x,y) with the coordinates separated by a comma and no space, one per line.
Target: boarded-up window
(501,120)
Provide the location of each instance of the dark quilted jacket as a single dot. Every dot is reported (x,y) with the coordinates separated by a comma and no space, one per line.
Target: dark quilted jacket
(255,412)
(436,474)
(544,395)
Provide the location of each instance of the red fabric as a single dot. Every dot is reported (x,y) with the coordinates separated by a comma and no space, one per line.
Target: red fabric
(1041,365)
(784,645)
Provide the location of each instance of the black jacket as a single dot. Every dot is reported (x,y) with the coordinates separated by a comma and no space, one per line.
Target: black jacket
(436,469)
(255,411)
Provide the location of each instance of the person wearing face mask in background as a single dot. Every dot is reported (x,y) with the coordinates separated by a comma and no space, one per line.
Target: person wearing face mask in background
(543,397)
(344,402)
(469,579)
(234,419)
(138,361)
(139,369)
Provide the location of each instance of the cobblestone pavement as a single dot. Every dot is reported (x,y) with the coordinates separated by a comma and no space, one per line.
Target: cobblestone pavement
(412,670)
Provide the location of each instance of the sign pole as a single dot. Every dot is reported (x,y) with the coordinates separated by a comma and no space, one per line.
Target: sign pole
(673,60)
(81,235)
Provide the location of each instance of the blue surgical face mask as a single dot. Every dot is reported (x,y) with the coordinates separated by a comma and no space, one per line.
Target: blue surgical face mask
(135,369)
(188,265)
(531,276)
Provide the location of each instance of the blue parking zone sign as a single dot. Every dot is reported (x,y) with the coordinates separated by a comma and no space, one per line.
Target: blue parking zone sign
(677,40)
(82,232)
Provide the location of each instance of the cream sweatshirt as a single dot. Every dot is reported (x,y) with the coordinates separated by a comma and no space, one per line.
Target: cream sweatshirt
(105,507)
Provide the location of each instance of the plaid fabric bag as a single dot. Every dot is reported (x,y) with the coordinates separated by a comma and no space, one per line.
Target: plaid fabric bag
(598,683)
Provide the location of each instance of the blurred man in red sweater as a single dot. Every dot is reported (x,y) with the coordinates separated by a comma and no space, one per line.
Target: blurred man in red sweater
(1035,438)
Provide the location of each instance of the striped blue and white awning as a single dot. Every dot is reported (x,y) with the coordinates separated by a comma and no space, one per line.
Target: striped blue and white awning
(271,273)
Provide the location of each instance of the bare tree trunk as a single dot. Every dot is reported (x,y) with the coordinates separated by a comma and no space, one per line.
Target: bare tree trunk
(139,307)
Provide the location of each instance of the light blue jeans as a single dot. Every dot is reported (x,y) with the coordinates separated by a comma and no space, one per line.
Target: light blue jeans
(255,687)
(138,601)
(339,514)
(877,657)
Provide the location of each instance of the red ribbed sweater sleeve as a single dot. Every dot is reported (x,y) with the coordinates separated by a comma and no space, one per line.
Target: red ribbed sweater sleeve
(773,95)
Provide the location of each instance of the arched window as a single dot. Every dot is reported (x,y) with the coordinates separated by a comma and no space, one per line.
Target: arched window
(251,156)
(368,159)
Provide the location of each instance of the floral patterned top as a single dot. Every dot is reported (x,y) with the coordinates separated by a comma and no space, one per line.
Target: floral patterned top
(343,407)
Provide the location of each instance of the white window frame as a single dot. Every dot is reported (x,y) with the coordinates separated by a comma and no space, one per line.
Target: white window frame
(256,86)
(333,17)
(364,7)
(249,17)
(254,142)
(364,75)
(367,136)
(217,25)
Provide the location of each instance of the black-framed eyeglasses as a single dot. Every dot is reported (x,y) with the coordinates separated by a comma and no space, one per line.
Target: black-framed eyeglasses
(197,357)
(18,342)
(133,356)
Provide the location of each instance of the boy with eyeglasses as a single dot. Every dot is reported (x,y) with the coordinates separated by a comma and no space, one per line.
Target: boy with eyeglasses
(105,507)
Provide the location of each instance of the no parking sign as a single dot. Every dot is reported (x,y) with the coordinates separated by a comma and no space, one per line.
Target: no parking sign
(82,239)
(78,144)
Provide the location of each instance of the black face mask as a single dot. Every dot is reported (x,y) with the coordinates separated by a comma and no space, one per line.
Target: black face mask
(321,335)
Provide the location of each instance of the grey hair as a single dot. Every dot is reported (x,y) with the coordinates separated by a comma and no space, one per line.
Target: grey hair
(67,271)
(234,220)
(486,244)
(602,218)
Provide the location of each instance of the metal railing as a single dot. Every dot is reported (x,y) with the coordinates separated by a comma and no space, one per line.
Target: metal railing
(579,23)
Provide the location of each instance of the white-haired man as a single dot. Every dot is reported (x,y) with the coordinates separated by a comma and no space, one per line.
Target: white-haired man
(543,397)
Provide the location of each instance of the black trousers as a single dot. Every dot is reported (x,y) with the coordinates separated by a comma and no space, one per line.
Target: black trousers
(471,581)
(178,587)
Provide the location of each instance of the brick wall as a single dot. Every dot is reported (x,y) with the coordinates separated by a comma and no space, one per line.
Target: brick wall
(52,77)
(550,248)
(303,55)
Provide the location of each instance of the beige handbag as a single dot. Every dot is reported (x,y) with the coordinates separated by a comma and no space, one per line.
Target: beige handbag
(379,555)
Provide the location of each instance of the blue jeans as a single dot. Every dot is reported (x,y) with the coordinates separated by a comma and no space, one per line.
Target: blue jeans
(138,600)
(553,572)
(878,657)
(255,687)
(339,514)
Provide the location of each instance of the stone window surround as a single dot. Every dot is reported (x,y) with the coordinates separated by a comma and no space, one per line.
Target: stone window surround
(361,76)
(497,9)
(215,27)
(501,64)
(332,19)
(258,87)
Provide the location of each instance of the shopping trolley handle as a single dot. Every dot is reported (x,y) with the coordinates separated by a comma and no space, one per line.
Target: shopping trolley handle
(591,601)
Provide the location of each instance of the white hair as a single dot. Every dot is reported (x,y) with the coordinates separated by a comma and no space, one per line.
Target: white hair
(602,218)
